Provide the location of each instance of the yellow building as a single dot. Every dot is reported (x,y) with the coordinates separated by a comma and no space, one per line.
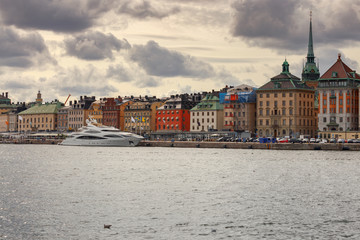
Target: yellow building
(40,117)
(95,111)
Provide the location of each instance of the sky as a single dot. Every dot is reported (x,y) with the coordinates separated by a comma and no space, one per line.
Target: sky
(112,48)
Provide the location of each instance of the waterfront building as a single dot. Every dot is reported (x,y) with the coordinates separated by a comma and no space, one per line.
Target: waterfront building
(174,115)
(39,117)
(95,111)
(63,115)
(76,114)
(285,107)
(111,112)
(140,116)
(239,109)
(4,122)
(339,98)
(207,115)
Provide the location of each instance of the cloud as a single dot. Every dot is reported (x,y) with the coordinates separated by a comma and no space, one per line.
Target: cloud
(80,81)
(94,45)
(58,16)
(144,9)
(23,50)
(275,23)
(327,57)
(159,61)
(131,73)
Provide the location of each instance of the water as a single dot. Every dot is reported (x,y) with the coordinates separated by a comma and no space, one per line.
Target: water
(59,192)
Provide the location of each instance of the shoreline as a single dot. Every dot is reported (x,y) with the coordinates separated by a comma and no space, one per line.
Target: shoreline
(224,145)
(263,146)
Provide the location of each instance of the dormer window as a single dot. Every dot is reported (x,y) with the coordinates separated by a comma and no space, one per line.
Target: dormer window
(334,74)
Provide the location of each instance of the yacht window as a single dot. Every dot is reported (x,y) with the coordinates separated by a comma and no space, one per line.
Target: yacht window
(90,137)
(114,136)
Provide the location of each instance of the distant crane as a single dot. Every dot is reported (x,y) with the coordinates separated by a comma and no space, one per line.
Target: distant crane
(67,99)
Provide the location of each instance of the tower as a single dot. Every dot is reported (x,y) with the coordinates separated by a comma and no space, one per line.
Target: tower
(38,98)
(310,74)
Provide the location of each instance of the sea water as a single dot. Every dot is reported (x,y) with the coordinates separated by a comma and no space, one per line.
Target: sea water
(63,192)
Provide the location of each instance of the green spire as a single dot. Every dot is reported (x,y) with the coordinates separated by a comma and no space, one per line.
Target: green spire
(285,67)
(310,55)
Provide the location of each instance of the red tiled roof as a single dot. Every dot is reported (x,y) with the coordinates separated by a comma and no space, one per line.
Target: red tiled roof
(342,70)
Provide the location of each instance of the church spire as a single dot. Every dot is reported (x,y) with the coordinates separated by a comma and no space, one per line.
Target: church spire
(310,74)
(310,55)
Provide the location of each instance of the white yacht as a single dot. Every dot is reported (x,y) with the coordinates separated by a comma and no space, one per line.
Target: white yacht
(99,135)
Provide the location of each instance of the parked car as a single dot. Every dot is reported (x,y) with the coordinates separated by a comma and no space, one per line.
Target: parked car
(332,140)
(341,140)
(305,140)
(324,140)
(294,140)
(283,140)
(312,140)
(351,141)
(318,140)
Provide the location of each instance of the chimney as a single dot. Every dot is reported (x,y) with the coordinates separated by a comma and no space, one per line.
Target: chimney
(6,94)
(81,98)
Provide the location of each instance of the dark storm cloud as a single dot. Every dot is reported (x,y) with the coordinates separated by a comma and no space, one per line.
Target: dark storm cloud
(159,61)
(94,45)
(145,9)
(19,49)
(282,24)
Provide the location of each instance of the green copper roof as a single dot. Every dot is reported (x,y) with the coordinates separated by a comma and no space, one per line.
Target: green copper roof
(42,109)
(285,68)
(209,102)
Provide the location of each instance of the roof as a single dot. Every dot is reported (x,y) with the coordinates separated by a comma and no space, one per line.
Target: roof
(209,102)
(285,81)
(49,108)
(341,70)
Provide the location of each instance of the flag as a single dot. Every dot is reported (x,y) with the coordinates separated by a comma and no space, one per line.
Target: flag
(164,121)
(132,119)
(198,123)
(20,118)
(6,122)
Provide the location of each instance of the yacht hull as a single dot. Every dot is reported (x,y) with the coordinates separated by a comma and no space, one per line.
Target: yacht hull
(102,142)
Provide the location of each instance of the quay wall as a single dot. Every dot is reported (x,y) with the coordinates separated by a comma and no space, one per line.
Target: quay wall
(269,146)
(230,145)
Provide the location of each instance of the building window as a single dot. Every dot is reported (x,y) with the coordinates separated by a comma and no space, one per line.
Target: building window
(267,103)
(260,112)
(283,94)
(267,95)
(267,122)
(261,103)
(324,119)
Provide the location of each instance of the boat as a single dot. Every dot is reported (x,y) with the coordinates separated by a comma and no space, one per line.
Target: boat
(95,134)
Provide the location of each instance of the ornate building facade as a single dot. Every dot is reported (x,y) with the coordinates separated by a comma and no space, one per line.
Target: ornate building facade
(285,107)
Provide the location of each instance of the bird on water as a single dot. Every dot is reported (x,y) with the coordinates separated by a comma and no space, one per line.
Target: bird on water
(107,226)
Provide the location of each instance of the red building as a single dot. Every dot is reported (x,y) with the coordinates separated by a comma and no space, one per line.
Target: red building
(111,112)
(174,115)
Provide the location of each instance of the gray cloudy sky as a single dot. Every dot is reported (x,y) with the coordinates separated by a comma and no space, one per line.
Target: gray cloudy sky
(160,47)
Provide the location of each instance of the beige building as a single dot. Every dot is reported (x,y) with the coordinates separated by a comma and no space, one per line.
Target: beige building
(285,107)
(140,117)
(4,122)
(207,115)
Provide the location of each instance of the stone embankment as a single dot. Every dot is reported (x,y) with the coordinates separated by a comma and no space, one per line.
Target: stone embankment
(235,145)
(31,141)
(230,145)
